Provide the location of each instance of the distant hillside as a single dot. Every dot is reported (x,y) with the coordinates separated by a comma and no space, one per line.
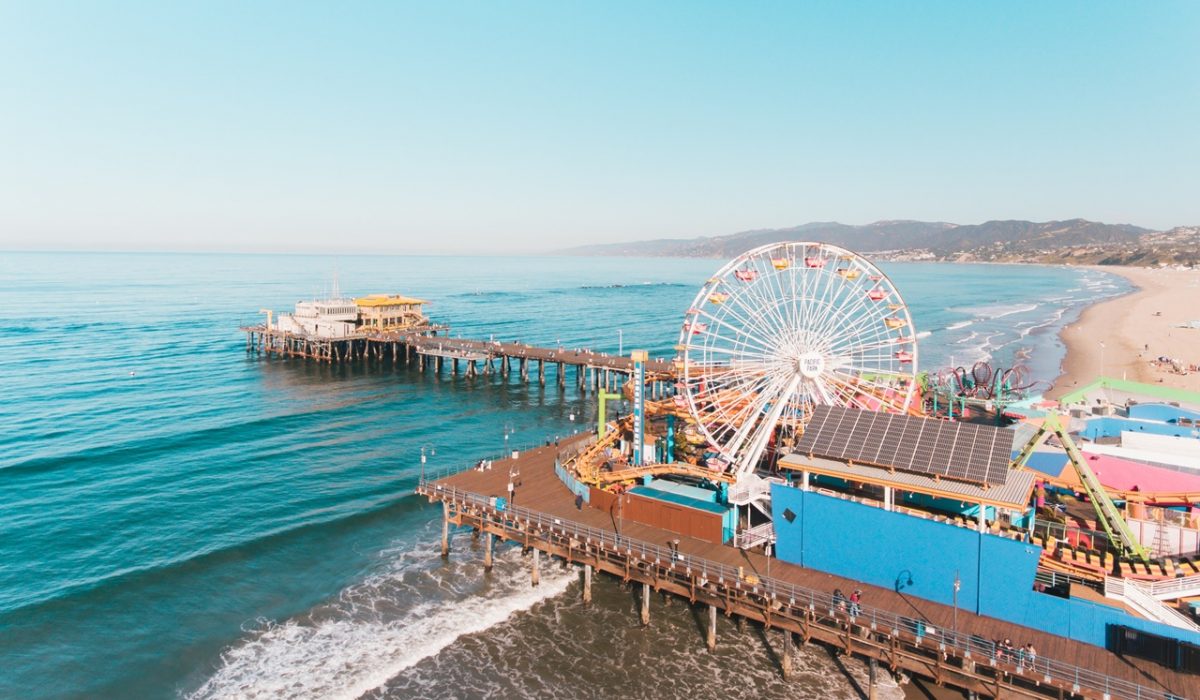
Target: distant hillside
(1075,241)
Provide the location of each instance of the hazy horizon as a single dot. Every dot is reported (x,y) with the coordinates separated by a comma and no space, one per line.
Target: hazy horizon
(480,129)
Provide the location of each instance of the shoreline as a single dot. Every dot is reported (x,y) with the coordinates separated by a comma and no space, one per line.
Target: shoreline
(1119,337)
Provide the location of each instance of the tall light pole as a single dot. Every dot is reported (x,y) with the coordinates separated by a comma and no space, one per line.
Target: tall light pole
(432,451)
(957,585)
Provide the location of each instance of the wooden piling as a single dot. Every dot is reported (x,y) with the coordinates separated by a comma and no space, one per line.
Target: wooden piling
(711,640)
(645,604)
(785,655)
(587,584)
(445,529)
(487,552)
(534,575)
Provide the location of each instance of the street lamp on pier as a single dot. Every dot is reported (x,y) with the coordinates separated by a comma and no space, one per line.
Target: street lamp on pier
(432,452)
(957,585)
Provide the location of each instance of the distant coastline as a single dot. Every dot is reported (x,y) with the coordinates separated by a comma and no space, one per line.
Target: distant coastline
(1073,241)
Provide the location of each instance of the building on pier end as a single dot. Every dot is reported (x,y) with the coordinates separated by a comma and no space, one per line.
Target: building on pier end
(390,312)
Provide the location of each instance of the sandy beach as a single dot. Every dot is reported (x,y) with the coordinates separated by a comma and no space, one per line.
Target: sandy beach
(1121,337)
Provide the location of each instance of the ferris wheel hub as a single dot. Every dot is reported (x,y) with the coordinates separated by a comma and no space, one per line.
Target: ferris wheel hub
(810,364)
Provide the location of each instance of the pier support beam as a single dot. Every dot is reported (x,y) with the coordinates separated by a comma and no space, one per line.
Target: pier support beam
(711,639)
(445,529)
(534,576)
(785,656)
(487,551)
(645,604)
(587,584)
(872,669)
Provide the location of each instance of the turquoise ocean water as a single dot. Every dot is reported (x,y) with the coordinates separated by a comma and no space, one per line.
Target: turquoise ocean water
(180,519)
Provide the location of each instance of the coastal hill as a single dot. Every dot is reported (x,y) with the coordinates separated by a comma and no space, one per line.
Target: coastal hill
(1075,241)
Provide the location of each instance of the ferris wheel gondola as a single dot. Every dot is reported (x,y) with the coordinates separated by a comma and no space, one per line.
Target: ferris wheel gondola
(765,341)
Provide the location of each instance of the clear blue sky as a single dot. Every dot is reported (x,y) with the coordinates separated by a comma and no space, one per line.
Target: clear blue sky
(527,126)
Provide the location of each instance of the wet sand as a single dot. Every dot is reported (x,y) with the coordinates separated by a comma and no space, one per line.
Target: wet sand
(1135,329)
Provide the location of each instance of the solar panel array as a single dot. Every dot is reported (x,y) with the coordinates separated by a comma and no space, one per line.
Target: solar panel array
(974,453)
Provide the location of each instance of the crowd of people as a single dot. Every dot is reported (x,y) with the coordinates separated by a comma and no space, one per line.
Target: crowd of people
(1023,656)
(851,605)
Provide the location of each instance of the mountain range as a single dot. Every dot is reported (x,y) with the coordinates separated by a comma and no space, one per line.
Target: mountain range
(1074,241)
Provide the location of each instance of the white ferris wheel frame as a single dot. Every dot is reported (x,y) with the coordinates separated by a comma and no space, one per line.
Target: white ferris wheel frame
(785,327)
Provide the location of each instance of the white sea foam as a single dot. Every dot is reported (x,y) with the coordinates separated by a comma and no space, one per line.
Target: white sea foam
(960,324)
(356,648)
(1054,318)
(1002,310)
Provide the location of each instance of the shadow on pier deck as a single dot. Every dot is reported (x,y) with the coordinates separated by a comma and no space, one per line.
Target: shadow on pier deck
(902,632)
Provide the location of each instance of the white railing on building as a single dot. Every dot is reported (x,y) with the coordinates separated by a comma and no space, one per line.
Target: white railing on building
(1132,594)
(755,536)
(1171,589)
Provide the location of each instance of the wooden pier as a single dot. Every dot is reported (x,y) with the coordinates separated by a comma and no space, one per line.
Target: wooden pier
(471,358)
(794,604)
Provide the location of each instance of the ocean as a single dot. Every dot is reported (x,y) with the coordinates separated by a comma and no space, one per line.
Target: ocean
(181,519)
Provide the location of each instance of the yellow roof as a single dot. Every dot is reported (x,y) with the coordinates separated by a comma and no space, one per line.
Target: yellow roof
(387,300)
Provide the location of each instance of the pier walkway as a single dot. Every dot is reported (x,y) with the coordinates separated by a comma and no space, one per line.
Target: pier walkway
(902,632)
(472,357)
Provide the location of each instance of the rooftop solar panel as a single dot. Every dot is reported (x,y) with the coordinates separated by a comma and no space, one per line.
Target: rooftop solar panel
(967,452)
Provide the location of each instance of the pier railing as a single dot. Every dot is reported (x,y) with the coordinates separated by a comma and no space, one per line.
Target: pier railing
(799,599)
(568,445)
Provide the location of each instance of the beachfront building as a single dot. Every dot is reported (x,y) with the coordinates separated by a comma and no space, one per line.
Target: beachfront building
(390,312)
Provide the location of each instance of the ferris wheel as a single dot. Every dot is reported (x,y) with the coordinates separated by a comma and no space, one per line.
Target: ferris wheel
(783,328)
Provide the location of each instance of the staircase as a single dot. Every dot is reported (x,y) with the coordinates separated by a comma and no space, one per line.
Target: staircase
(1135,595)
(752,489)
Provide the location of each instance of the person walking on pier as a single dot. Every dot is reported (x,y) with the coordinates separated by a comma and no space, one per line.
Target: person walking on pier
(855,599)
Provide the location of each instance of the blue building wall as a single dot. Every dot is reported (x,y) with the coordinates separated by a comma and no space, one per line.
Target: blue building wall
(1112,427)
(1161,412)
(885,549)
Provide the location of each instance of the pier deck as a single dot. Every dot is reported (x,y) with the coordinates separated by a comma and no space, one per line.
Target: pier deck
(475,356)
(543,515)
